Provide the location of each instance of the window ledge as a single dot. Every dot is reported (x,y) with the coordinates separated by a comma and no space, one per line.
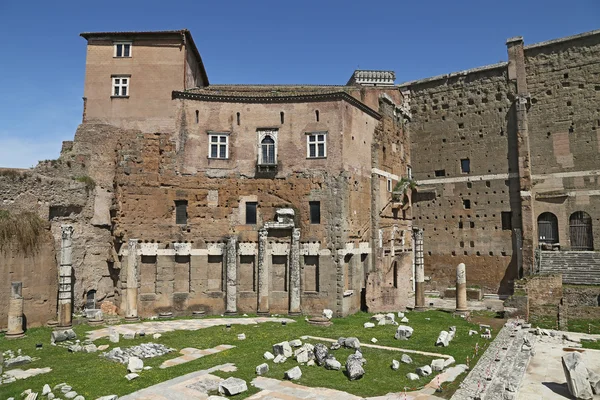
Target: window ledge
(316,158)
(218,158)
(119,97)
(122,57)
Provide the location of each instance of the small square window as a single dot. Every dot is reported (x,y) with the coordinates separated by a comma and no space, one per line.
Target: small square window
(465,165)
(316,145)
(251,213)
(315,212)
(122,50)
(218,145)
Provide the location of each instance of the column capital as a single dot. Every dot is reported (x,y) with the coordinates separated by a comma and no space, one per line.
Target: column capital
(67,231)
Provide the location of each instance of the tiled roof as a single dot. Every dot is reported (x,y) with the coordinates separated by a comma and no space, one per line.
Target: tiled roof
(275,94)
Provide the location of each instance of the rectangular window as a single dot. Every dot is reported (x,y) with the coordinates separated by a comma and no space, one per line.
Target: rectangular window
(251,213)
(316,145)
(122,49)
(181,212)
(315,212)
(409,172)
(389,185)
(120,86)
(467,204)
(506,220)
(465,165)
(218,145)
(440,172)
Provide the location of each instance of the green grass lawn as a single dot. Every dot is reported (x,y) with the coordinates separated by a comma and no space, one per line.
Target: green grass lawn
(93,376)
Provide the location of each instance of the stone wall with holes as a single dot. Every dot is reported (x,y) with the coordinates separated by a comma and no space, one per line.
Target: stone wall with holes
(459,130)
(563,80)
(38,272)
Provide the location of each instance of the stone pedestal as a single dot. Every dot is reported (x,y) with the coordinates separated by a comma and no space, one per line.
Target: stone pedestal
(263,274)
(231,277)
(15,312)
(131,305)
(295,273)
(461,289)
(419,270)
(65,298)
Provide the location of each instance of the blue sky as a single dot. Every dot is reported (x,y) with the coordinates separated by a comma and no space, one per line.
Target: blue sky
(306,41)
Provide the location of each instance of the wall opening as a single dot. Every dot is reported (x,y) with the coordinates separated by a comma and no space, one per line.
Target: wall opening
(440,172)
(465,165)
(181,215)
(466,204)
(315,212)
(311,274)
(90,300)
(238,116)
(197,116)
(506,217)
(282,117)
(251,207)
(547,228)
(580,230)
(317,115)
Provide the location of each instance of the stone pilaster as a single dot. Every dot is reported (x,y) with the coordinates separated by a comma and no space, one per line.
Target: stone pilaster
(131,310)
(419,270)
(263,274)
(295,273)
(461,289)
(65,298)
(15,312)
(231,277)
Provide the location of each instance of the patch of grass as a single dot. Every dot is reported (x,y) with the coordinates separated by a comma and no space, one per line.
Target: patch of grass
(22,229)
(90,184)
(93,376)
(543,321)
(590,345)
(584,325)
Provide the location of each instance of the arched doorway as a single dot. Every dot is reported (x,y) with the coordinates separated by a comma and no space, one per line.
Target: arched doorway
(547,228)
(580,230)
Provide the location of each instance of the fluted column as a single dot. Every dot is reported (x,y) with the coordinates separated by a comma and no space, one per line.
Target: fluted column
(419,270)
(461,289)
(231,277)
(263,274)
(15,312)
(65,299)
(131,311)
(295,273)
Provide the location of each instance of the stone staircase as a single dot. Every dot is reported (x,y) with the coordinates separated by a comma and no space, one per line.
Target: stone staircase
(576,267)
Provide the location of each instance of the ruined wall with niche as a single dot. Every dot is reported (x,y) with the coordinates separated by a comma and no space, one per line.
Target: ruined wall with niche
(564,127)
(464,121)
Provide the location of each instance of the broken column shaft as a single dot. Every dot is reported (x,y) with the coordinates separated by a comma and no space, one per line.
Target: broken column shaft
(65,299)
(461,289)
(263,274)
(131,311)
(295,273)
(231,277)
(15,312)
(419,270)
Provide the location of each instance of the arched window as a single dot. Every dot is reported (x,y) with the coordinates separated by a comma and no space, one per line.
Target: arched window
(267,150)
(580,230)
(547,228)
(90,300)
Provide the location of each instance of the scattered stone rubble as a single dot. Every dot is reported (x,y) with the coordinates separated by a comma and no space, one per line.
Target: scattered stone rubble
(142,351)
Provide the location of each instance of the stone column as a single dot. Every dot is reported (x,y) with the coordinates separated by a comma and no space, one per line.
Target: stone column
(461,289)
(131,309)
(263,274)
(295,273)
(231,277)
(419,270)
(15,312)
(65,302)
